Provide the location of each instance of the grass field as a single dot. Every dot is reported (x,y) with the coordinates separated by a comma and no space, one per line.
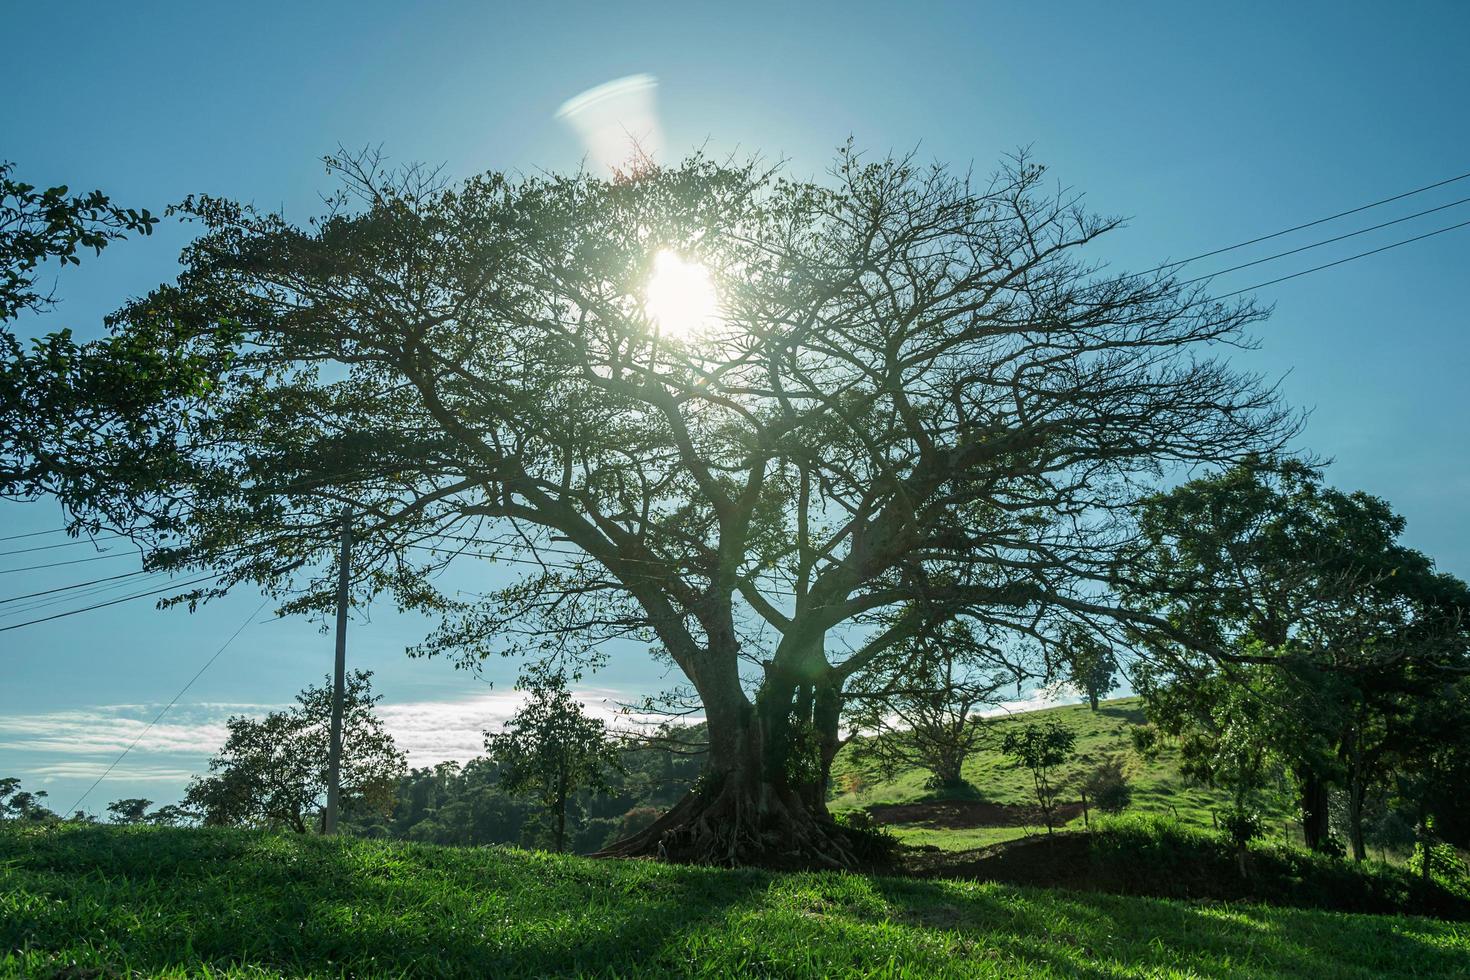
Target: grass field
(86,901)
(1158,787)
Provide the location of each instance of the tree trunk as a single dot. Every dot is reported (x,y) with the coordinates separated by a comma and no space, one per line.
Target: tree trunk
(746,809)
(1357,792)
(1092,697)
(561,824)
(1315,814)
(1357,795)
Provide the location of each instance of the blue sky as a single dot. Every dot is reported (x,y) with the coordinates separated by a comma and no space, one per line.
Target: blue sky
(1204,124)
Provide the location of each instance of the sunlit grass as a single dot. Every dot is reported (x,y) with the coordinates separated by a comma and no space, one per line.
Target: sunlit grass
(91,901)
(1158,787)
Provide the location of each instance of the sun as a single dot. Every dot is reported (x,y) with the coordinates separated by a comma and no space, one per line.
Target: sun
(681,298)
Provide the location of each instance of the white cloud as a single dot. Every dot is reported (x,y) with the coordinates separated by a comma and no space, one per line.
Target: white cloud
(428,732)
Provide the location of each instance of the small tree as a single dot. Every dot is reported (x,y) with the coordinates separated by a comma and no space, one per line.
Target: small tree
(550,749)
(19,804)
(919,702)
(132,810)
(1090,663)
(1041,748)
(273,772)
(1106,787)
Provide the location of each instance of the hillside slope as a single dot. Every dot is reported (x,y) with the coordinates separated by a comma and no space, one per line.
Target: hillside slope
(1158,786)
(87,901)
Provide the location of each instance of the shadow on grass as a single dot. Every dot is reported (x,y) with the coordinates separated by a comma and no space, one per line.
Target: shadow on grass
(1131,712)
(1079,934)
(166,900)
(150,902)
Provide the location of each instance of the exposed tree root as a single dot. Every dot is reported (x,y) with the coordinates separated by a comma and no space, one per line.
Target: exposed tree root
(742,822)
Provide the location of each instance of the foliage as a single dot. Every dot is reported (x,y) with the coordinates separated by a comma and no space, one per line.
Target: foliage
(911,378)
(873,843)
(272,772)
(1041,748)
(19,804)
(917,702)
(550,749)
(1091,664)
(170,904)
(37,225)
(1158,786)
(1266,580)
(1447,868)
(467,805)
(128,811)
(1107,786)
(134,810)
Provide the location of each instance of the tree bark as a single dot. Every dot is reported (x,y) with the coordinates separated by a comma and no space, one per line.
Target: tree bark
(1315,814)
(746,809)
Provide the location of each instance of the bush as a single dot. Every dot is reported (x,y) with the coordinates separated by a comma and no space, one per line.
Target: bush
(1107,787)
(1241,826)
(1447,869)
(870,841)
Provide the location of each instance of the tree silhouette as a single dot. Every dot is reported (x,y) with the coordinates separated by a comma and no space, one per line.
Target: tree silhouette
(918,395)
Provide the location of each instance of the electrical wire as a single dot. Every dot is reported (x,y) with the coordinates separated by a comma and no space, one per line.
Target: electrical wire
(58,564)
(112,602)
(1350,258)
(175,700)
(64,544)
(32,534)
(1325,241)
(71,596)
(1301,227)
(66,588)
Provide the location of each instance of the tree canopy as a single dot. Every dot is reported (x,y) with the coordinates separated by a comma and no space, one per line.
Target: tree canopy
(920,400)
(272,772)
(550,748)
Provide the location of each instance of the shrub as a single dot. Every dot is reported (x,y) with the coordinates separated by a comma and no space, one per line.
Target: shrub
(870,841)
(1446,868)
(1107,787)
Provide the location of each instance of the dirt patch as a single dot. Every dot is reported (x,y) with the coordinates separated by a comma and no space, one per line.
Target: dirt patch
(962,814)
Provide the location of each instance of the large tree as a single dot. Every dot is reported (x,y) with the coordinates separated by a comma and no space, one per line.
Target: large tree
(37,226)
(1343,627)
(917,392)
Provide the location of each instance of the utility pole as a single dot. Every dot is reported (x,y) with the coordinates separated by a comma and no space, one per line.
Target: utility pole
(339,681)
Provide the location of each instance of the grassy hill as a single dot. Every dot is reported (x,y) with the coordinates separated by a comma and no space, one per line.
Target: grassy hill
(85,901)
(1158,787)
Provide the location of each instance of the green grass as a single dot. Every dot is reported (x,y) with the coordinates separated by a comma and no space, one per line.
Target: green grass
(1158,786)
(961,839)
(79,901)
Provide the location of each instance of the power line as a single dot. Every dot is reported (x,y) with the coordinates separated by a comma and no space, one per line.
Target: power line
(112,602)
(58,564)
(32,534)
(1350,258)
(159,717)
(67,588)
(64,544)
(1325,241)
(1301,227)
(81,592)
